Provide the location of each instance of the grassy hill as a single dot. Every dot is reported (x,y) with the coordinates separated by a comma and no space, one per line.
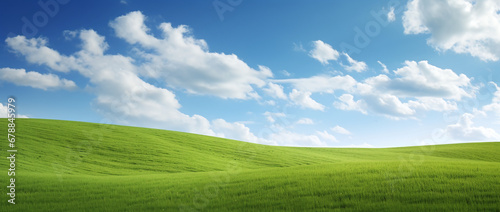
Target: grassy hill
(76,166)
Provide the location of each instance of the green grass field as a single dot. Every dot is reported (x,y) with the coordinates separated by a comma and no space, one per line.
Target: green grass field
(75,166)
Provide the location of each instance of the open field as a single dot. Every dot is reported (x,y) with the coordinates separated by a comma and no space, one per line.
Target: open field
(75,166)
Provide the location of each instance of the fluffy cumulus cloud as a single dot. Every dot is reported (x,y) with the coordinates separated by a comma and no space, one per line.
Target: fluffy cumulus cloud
(387,105)
(357,66)
(428,88)
(35,51)
(347,102)
(185,62)
(417,86)
(303,99)
(124,95)
(275,91)
(121,94)
(323,52)
(463,26)
(34,79)
(464,130)
(421,79)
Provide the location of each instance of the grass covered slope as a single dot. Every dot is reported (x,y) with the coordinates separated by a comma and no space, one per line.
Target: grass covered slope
(75,166)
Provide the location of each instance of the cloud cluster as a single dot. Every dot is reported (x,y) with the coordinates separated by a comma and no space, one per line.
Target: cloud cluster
(179,60)
(427,87)
(185,62)
(421,79)
(123,96)
(34,79)
(417,86)
(464,130)
(304,100)
(275,91)
(463,26)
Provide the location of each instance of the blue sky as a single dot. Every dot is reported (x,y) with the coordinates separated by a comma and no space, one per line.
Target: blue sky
(292,73)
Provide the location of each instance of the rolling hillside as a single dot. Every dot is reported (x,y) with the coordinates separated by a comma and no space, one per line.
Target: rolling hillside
(76,166)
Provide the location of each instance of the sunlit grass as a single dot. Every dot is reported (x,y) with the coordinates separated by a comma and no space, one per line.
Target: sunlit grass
(74,166)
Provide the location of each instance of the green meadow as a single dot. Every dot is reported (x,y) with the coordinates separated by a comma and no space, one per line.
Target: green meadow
(76,166)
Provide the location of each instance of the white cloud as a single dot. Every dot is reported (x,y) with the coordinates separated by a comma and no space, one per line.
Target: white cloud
(433,104)
(271,116)
(494,106)
(4,111)
(496,95)
(388,105)
(287,138)
(303,99)
(378,103)
(464,130)
(326,84)
(305,121)
(417,86)
(185,62)
(385,70)
(347,103)
(36,52)
(323,52)
(121,95)
(340,130)
(390,15)
(463,26)
(124,96)
(92,42)
(237,131)
(431,88)
(275,91)
(34,79)
(424,80)
(358,66)
(325,136)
